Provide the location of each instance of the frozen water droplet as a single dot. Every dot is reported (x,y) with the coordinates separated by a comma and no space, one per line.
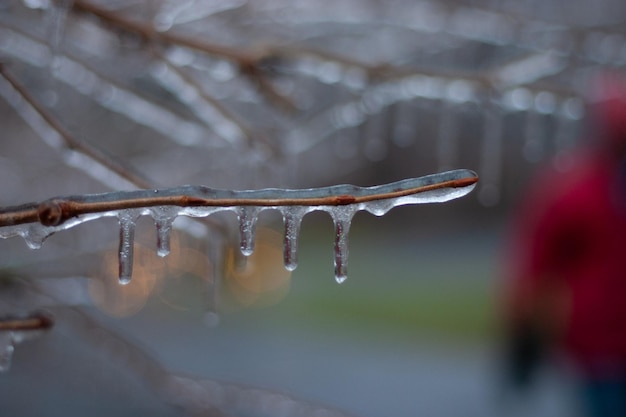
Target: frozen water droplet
(124,280)
(379,207)
(340,278)
(6,350)
(125,253)
(342,217)
(292,217)
(35,236)
(247,228)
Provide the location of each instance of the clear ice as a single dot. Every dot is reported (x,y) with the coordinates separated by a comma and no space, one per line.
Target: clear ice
(9,338)
(127,237)
(342,218)
(163,219)
(34,233)
(247,228)
(6,350)
(292,218)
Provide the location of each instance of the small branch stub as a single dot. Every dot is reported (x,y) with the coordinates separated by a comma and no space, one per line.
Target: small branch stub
(50,213)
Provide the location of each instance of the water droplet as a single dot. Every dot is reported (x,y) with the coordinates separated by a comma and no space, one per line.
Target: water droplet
(35,235)
(379,207)
(247,226)
(125,254)
(292,217)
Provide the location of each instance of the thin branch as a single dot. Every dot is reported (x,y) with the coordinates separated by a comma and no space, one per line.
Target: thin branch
(231,118)
(118,99)
(33,322)
(70,140)
(247,61)
(78,145)
(56,211)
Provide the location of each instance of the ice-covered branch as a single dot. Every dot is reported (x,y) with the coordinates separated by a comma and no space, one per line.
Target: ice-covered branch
(36,221)
(14,330)
(77,152)
(35,321)
(249,62)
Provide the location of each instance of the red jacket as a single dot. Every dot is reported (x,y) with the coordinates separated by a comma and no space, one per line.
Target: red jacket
(570,243)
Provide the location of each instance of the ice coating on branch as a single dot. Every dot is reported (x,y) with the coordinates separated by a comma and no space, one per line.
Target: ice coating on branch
(342,218)
(127,239)
(15,330)
(247,228)
(340,201)
(292,217)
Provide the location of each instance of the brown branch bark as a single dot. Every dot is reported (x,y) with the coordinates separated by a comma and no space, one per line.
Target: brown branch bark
(56,211)
(35,321)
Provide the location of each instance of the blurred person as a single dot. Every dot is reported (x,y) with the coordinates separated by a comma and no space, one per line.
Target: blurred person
(567,262)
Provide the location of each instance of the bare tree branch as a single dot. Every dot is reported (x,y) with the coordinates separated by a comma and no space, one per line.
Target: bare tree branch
(56,211)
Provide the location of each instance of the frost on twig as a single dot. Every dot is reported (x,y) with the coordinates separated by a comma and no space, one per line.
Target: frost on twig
(36,221)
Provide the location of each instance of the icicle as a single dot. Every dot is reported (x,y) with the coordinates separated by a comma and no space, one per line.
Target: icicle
(6,350)
(247,227)
(15,330)
(342,217)
(292,217)
(127,237)
(163,219)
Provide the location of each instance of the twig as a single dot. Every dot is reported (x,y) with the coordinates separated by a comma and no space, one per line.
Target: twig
(35,321)
(78,145)
(56,211)
(71,141)
(248,62)
(185,77)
